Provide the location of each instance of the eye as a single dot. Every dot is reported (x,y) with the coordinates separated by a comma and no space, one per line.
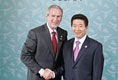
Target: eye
(58,16)
(81,26)
(53,15)
(74,26)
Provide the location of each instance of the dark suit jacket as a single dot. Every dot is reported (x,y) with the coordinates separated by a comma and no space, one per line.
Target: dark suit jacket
(38,51)
(89,63)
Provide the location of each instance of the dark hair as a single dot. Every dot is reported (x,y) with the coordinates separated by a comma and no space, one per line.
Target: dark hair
(80,16)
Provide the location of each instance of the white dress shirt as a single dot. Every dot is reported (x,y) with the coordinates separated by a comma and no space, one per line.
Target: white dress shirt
(81,42)
(50,30)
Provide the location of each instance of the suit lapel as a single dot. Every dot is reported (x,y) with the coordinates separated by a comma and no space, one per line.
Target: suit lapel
(58,49)
(83,50)
(59,42)
(47,39)
(72,55)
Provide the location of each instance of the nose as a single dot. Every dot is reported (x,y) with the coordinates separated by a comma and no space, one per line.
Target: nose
(55,18)
(77,28)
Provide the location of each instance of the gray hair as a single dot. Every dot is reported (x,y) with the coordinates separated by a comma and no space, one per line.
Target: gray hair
(54,6)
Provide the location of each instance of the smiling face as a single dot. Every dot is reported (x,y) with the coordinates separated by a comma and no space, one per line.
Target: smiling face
(54,17)
(78,28)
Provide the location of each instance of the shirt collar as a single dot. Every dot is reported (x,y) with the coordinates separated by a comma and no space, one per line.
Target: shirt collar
(50,30)
(81,40)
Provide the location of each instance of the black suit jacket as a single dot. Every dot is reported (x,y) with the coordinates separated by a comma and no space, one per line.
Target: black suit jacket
(89,63)
(38,51)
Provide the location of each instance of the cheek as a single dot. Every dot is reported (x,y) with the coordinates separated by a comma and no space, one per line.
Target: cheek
(72,30)
(84,32)
(48,19)
(59,19)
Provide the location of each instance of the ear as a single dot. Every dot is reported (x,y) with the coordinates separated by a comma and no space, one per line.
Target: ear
(46,15)
(86,27)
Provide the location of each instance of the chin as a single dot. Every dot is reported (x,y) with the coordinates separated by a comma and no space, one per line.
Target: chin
(77,36)
(54,27)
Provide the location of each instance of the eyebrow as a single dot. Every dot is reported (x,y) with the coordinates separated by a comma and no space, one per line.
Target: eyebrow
(77,24)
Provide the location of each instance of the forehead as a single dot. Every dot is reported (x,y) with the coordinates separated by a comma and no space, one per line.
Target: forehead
(78,21)
(55,11)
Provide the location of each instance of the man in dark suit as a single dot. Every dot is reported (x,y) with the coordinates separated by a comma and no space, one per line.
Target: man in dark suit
(42,51)
(83,56)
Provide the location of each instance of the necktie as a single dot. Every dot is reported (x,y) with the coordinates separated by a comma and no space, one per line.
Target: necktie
(76,50)
(54,42)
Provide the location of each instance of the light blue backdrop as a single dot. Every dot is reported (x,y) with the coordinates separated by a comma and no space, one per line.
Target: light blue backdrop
(17,17)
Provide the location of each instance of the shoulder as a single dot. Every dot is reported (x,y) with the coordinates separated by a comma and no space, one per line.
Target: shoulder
(36,30)
(94,42)
(61,30)
(62,34)
(69,42)
(39,28)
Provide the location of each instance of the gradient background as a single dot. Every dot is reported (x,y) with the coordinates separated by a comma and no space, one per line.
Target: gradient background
(17,17)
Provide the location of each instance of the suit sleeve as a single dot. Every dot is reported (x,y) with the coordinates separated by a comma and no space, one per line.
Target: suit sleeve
(98,63)
(28,53)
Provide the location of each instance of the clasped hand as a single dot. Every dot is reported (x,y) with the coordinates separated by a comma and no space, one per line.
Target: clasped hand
(48,74)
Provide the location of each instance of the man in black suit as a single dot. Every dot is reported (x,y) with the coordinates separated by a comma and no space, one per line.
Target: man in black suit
(83,56)
(39,53)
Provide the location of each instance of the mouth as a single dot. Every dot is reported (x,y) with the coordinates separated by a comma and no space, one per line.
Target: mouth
(55,23)
(76,32)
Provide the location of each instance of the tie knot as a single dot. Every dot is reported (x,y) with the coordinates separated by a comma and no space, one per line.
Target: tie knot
(53,33)
(77,42)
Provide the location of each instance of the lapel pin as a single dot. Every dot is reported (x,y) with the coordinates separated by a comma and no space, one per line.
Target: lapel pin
(61,37)
(86,46)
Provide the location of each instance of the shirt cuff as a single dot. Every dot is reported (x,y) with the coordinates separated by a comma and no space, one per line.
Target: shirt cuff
(41,72)
(53,74)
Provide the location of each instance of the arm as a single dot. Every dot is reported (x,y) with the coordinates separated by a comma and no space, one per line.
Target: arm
(58,71)
(98,63)
(28,53)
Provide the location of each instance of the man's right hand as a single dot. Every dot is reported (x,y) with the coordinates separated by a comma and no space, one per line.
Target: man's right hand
(48,74)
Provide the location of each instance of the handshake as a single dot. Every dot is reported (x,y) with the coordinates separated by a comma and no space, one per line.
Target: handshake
(48,74)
